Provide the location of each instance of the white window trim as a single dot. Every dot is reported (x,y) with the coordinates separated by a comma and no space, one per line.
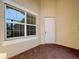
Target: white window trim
(11,42)
(25,10)
(14,38)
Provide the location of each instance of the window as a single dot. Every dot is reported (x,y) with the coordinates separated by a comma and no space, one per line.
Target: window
(16,24)
(31,24)
(31,19)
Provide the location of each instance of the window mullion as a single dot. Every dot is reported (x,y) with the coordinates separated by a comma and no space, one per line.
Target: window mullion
(25,24)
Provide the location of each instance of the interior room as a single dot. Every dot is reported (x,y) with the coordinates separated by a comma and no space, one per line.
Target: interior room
(39,29)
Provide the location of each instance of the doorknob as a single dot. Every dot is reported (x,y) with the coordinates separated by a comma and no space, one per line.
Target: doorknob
(45,32)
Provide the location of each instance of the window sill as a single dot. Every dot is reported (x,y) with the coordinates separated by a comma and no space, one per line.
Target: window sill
(15,41)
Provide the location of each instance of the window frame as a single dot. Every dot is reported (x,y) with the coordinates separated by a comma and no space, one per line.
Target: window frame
(31,24)
(25,24)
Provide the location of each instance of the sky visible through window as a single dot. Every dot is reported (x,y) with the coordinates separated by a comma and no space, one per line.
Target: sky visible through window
(13,15)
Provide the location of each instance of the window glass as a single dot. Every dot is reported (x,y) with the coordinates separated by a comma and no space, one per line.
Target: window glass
(9,30)
(14,22)
(31,19)
(15,30)
(31,30)
(14,15)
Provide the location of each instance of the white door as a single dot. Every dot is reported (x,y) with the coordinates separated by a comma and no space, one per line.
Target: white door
(49,30)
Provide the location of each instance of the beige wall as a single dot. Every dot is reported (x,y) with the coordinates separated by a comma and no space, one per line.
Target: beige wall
(16,48)
(67,23)
(48,9)
(1,26)
(32,5)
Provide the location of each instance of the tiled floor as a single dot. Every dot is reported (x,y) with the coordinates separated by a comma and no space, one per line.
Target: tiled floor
(49,51)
